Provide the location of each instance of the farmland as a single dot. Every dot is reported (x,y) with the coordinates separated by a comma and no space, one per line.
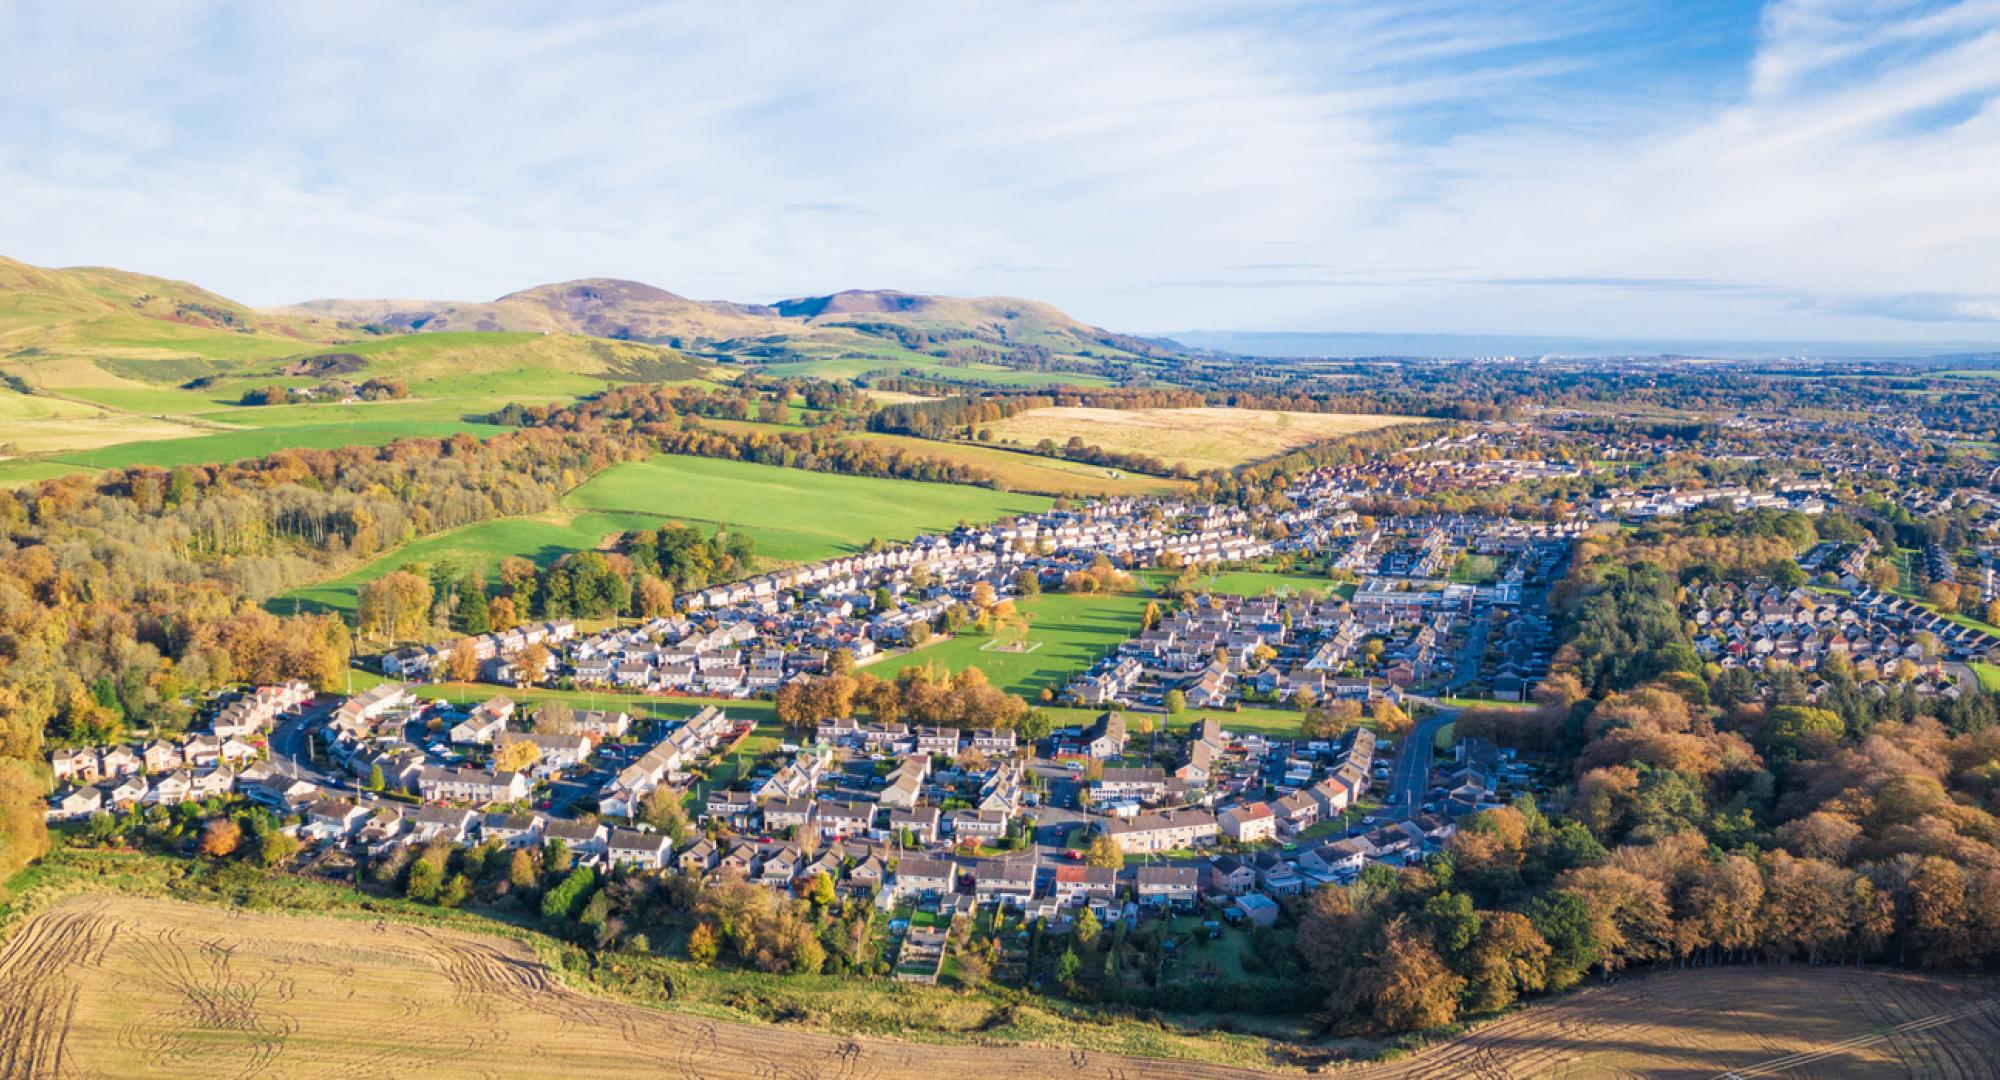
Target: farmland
(1742,1022)
(794,516)
(138,987)
(1197,438)
(1018,471)
(102,407)
(130,983)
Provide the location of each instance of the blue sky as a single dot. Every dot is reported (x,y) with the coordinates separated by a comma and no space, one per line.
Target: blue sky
(1806,168)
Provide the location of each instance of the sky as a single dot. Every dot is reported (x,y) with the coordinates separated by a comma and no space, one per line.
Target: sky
(1805,168)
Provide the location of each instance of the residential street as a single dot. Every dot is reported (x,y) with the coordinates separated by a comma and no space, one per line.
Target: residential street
(1412,767)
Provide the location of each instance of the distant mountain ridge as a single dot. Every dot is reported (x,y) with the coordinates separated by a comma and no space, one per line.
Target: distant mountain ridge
(635,311)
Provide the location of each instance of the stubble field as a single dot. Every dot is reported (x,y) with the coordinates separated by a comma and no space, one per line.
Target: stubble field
(1198,438)
(106,985)
(131,987)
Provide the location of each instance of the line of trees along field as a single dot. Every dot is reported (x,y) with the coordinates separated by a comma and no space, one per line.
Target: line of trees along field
(1706,819)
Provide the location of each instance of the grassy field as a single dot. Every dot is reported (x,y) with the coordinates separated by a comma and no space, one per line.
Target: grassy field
(805,514)
(1197,438)
(1259,582)
(99,408)
(224,446)
(1068,634)
(794,516)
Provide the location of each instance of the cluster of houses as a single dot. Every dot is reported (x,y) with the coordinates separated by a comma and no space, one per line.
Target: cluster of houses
(499,653)
(1888,640)
(168,772)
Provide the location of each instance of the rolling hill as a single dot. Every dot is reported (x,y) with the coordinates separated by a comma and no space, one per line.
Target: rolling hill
(851,321)
(104,367)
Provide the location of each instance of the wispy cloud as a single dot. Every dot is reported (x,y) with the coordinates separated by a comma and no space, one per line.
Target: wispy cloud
(1823,167)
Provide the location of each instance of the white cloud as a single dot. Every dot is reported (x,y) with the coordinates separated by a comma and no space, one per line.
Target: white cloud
(1372,166)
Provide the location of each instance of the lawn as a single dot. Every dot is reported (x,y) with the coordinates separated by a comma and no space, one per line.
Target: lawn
(1198,438)
(1069,632)
(1259,582)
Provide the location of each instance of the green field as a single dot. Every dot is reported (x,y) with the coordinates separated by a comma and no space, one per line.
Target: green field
(1260,582)
(226,446)
(1070,632)
(794,516)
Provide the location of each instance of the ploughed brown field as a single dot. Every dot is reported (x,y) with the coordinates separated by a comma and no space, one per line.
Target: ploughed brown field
(109,986)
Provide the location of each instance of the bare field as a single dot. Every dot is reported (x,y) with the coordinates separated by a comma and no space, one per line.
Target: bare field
(128,987)
(1197,438)
(123,986)
(1792,1020)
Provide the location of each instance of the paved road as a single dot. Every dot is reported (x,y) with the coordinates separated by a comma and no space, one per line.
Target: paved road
(1409,774)
(288,745)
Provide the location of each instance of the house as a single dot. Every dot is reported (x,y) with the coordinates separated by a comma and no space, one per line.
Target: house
(732,808)
(212,783)
(782,814)
(1007,882)
(1087,885)
(1296,812)
(160,756)
(446,823)
(906,784)
(1106,738)
(920,821)
(921,878)
(978,825)
(76,766)
(780,867)
(471,786)
(1340,858)
(335,818)
(235,752)
(602,725)
(515,830)
(1331,798)
(171,789)
(554,753)
(1231,876)
(1251,823)
(120,761)
(125,792)
(584,838)
(632,847)
(1145,784)
(699,857)
(484,724)
(839,819)
(381,829)
(75,804)
(1166,886)
(1168,831)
